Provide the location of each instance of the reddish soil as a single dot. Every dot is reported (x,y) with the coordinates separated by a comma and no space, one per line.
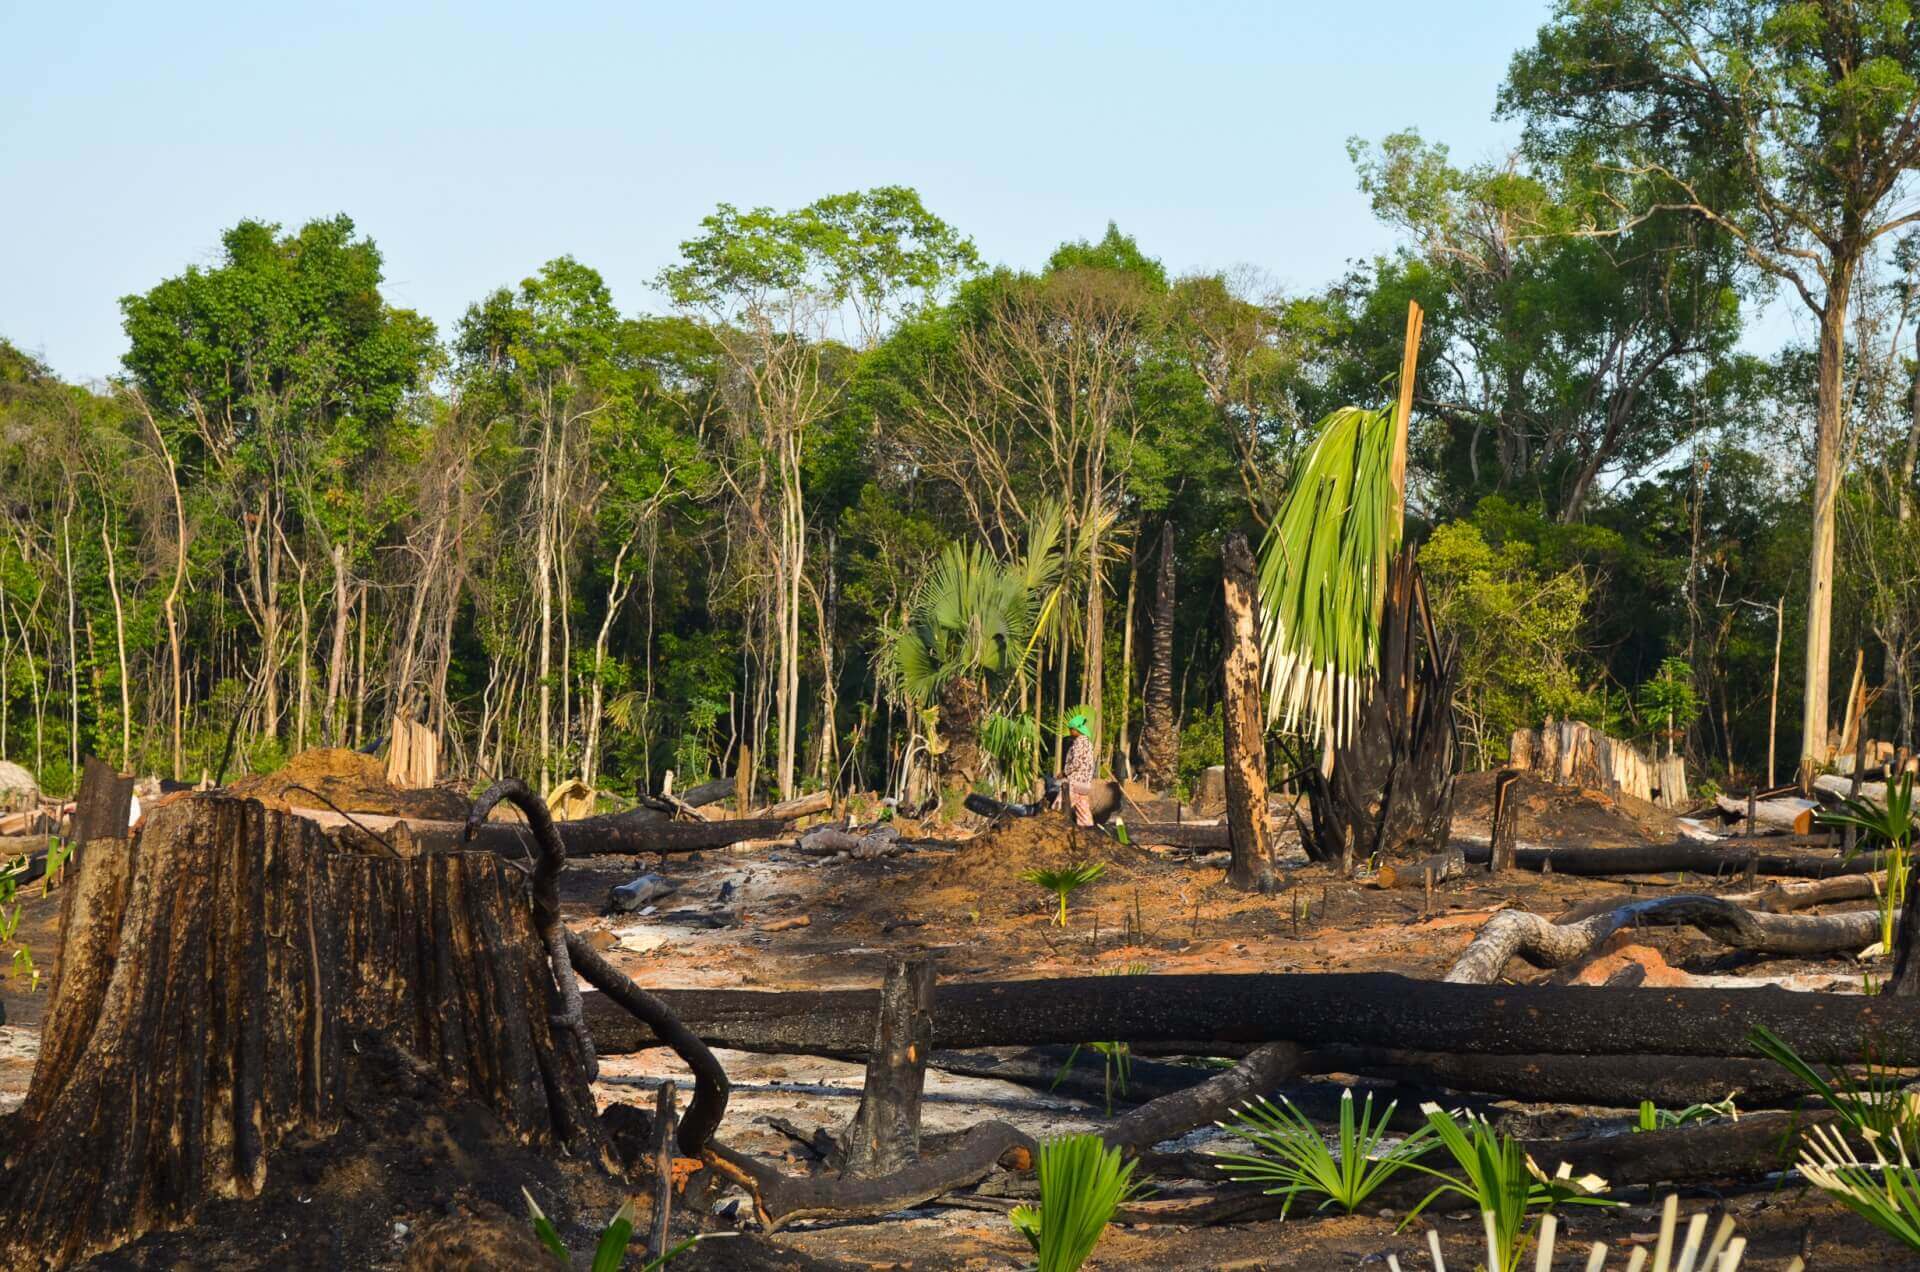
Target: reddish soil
(405,1159)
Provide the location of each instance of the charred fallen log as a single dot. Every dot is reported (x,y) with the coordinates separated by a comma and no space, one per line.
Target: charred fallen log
(1696,858)
(616,834)
(1374,1009)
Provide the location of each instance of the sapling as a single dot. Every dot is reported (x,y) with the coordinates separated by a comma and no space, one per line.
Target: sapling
(1292,1156)
(1082,1183)
(1065,882)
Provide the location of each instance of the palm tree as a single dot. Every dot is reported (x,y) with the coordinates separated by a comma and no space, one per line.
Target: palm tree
(971,632)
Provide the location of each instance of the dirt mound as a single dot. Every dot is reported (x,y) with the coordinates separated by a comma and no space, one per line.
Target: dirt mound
(349,782)
(1563,815)
(985,873)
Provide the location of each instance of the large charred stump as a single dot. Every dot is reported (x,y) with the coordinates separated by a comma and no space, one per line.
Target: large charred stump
(223,975)
(1389,793)
(1245,741)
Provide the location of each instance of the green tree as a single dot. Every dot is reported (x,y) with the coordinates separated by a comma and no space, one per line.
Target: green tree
(278,371)
(1518,624)
(1793,126)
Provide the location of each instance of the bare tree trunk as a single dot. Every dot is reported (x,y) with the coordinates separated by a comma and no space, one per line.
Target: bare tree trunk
(1093,677)
(1159,732)
(333,728)
(1246,726)
(120,647)
(1390,790)
(73,646)
(1828,438)
(1123,753)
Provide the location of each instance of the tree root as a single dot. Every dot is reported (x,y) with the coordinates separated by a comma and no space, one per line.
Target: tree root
(1545,943)
(569,954)
(549,861)
(710,1089)
(783,1199)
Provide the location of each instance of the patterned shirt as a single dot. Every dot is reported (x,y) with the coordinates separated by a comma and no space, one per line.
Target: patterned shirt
(1080,761)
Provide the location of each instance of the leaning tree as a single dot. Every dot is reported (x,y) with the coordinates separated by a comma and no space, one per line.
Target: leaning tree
(1351,656)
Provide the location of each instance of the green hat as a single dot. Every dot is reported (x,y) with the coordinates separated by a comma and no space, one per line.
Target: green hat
(1077,723)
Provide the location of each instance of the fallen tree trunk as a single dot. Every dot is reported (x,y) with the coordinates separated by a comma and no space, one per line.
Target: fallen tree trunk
(1377,1009)
(616,834)
(1706,859)
(1615,1082)
(224,975)
(1545,943)
(783,1199)
(1206,1102)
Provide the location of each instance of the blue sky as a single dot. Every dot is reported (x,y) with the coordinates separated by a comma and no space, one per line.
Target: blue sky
(474,141)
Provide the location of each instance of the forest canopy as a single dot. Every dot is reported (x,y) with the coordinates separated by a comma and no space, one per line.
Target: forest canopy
(857,495)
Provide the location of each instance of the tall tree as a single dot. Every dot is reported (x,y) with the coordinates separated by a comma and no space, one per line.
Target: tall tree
(772,286)
(1792,125)
(275,370)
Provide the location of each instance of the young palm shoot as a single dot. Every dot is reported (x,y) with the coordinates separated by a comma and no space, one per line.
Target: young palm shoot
(1291,1157)
(1502,1182)
(1082,1184)
(1875,1105)
(610,1252)
(1892,828)
(1064,883)
(1886,1193)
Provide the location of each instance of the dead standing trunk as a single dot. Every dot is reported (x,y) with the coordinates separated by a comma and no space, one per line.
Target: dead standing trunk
(1245,742)
(222,977)
(1390,791)
(1159,733)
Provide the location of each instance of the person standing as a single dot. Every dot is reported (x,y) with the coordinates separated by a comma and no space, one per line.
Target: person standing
(1080,769)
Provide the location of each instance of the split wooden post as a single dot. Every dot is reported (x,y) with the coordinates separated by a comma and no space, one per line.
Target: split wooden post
(743,782)
(1403,412)
(104,805)
(1246,726)
(1502,832)
(885,1134)
(663,1124)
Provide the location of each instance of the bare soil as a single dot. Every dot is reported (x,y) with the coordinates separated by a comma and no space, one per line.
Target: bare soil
(404,1166)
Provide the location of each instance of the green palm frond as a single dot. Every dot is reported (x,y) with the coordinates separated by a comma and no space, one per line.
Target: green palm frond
(1323,574)
(1082,1184)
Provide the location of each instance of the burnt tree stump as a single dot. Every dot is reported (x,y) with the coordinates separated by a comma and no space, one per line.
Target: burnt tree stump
(885,1134)
(1389,793)
(1502,833)
(223,973)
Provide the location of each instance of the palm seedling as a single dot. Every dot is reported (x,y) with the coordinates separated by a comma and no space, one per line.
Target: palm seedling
(1722,1254)
(1063,883)
(1082,1184)
(610,1252)
(1886,1193)
(1892,828)
(1875,1105)
(1502,1182)
(1291,1158)
(1116,1056)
